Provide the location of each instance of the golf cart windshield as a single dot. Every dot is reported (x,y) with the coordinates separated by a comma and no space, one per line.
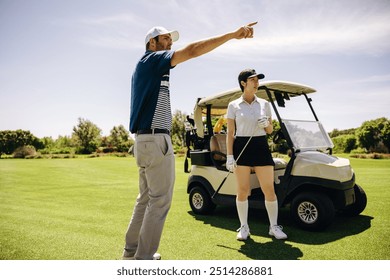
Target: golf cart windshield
(307,135)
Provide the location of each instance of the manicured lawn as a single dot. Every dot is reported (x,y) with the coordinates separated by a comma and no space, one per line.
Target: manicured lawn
(79,209)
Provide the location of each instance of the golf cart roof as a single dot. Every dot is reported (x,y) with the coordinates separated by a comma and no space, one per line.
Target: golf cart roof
(222,99)
(304,135)
(219,102)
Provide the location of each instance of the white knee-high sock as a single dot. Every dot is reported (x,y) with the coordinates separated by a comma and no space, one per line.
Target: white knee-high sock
(242,210)
(272,210)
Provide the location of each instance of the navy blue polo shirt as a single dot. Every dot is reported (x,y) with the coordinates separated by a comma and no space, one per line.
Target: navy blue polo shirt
(151,71)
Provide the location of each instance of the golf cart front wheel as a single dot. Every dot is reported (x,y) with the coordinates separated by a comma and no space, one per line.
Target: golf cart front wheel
(200,201)
(312,211)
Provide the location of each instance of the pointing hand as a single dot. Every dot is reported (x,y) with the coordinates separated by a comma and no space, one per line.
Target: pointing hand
(245,31)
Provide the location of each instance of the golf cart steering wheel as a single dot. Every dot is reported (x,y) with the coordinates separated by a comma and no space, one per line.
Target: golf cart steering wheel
(278,137)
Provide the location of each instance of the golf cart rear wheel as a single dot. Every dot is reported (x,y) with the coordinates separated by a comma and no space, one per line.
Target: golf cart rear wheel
(360,202)
(200,201)
(312,211)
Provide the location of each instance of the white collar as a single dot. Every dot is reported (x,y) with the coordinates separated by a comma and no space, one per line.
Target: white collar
(241,99)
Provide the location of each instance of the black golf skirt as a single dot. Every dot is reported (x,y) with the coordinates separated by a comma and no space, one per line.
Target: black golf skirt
(256,153)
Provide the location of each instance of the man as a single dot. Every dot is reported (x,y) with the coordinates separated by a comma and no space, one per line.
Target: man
(151,121)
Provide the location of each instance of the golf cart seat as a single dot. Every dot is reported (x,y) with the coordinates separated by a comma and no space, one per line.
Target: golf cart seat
(279,163)
(218,151)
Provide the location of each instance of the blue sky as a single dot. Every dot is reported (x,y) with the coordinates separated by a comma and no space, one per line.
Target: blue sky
(61,60)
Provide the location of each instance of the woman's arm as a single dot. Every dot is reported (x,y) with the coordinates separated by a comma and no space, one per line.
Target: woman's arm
(270,128)
(231,128)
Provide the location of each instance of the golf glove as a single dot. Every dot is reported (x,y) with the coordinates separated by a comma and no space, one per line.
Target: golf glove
(230,163)
(263,122)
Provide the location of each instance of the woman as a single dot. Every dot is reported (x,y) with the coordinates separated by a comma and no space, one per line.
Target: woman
(248,123)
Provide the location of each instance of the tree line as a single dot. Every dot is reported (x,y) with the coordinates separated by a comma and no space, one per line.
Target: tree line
(86,138)
(372,136)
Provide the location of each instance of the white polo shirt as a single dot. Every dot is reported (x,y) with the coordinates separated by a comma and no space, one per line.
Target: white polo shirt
(246,115)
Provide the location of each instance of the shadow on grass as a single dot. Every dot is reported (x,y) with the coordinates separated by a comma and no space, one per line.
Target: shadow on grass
(226,218)
(342,226)
(272,250)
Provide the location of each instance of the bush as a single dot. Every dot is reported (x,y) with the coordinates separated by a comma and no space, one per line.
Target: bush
(106,150)
(371,156)
(359,151)
(25,152)
(344,143)
(58,151)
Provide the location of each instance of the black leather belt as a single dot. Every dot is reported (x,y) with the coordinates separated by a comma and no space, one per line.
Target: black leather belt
(153,131)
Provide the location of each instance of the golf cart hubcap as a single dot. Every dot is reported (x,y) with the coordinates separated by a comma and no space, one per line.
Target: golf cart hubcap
(197,201)
(307,212)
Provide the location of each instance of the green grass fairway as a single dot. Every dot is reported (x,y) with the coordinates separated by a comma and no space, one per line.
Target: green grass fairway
(79,209)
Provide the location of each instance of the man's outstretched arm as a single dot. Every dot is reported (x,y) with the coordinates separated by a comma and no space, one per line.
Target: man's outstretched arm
(204,46)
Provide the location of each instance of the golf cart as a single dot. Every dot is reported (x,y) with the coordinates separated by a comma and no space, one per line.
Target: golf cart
(312,182)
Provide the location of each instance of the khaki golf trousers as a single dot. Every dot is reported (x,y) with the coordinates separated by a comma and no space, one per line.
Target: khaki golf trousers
(156,162)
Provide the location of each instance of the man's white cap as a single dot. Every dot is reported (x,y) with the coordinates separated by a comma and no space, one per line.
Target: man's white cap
(159,30)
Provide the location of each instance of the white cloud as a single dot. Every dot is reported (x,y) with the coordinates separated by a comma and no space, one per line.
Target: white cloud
(334,34)
(117,19)
(118,31)
(372,79)
(284,28)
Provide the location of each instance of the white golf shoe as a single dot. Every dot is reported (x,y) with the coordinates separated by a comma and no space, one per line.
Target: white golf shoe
(243,233)
(277,232)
